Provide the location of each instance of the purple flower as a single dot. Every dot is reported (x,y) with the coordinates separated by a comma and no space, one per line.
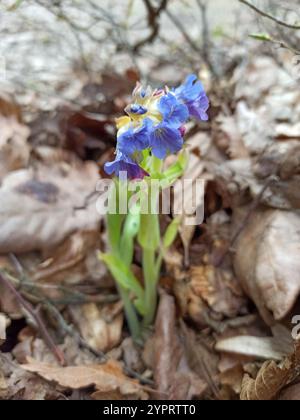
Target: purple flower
(193,95)
(125,168)
(165,139)
(133,140)
(174,113)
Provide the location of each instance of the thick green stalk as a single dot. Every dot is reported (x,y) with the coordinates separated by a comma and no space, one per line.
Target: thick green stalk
(151,280)
(114,234)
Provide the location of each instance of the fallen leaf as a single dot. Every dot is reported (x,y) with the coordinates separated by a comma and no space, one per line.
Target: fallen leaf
(99,330)
(264,348)
(73,261)
(49,197)
(268,275)
(271,378)
(35,348)
(218,288)
(173,377)
(17,384)
(108,377)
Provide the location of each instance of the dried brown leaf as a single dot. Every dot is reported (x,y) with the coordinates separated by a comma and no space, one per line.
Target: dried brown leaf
(260,347)
(218,288)
(100,330)
(17,384)
(74,261)
(108,377)
(173,377)
(269,275)
(49,197)
(271,378)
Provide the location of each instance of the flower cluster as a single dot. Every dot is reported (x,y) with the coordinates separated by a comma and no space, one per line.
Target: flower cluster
(155,121)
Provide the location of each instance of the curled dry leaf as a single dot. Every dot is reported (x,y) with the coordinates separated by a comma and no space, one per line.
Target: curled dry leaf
(271,378)
(49,196)
(218,288)
(106,378)
(270,276)
(100,330)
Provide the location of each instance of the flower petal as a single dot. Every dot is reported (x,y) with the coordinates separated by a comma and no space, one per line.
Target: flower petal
(134,140)
(124,167)
(165,139)
(174,112)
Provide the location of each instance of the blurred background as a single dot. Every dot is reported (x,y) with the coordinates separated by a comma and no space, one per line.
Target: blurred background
(52,48)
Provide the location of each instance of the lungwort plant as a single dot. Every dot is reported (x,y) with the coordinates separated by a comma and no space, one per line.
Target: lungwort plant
(153,128)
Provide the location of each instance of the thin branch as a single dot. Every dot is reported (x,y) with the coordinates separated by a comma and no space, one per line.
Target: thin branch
(37,318)
(202,4)
(153,22)
(182,29)
(268,16)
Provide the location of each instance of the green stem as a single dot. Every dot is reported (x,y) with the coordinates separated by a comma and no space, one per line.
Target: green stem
(131,315)
(114,227)
(151,279)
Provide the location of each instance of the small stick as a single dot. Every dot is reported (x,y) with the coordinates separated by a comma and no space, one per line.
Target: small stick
(268,16)
(38,319)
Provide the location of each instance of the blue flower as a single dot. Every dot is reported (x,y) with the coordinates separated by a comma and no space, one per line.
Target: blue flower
(133,140)
(165,139)
(125,167)
(174,113)
(193,95)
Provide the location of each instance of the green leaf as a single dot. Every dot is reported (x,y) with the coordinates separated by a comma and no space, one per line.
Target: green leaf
(171,232)
(261,37)
(114,227)
(125,278)
(130,231)
(149,233)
